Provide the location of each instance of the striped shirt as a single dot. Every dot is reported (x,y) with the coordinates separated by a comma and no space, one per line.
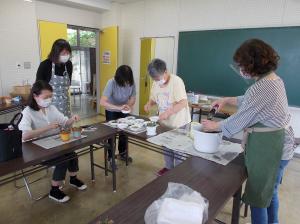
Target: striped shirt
(264,102)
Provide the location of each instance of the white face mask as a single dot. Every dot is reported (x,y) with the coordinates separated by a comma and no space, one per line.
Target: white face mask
(245,75)
(161,82)
(64,58)
(44,102)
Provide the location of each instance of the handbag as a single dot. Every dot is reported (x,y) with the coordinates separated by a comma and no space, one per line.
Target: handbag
(11,139)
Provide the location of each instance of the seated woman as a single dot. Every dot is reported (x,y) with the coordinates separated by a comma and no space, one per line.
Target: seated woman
(40,118)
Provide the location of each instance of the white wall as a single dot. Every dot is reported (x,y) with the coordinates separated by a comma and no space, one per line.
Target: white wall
(64,14)
(157,18)
(164,49)
(18,43)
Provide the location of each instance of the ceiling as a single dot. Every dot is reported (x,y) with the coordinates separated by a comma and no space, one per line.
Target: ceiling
(125,1)
(93,5)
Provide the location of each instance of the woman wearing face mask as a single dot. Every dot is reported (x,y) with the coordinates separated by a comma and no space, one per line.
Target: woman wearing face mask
(119,95)
(168,93)
(57,71)
(263,115)
(40,118)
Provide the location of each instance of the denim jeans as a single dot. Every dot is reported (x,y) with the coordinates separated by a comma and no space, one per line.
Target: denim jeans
(123,140)
(270,215)
(61,168)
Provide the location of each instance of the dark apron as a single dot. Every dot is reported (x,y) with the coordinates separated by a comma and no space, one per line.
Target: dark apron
(263,152)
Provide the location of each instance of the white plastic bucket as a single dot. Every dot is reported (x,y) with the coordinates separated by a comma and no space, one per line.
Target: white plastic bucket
(206,142)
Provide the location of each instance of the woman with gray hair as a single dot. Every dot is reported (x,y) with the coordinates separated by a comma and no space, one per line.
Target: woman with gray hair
(168,93)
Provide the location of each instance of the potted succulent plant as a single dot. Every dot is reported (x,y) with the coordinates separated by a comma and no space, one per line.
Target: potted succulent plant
(65,134)
(76,132)
(151,128)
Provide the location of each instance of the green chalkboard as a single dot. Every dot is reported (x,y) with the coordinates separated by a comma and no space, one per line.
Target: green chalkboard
(204,58)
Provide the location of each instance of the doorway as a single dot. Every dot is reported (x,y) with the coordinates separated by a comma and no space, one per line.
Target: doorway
(153,47)
(83,88)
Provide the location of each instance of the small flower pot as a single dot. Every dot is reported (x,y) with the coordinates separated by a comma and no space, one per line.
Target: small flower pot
(151,130)
(65,136)
(76,131)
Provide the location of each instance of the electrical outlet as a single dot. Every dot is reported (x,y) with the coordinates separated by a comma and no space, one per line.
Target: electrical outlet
(27,65)
(18,65)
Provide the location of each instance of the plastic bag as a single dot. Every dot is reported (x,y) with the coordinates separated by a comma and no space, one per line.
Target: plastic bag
(182,196)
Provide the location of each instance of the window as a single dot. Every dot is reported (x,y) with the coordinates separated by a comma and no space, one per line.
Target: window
(81,37)
(87,38)
(72,36)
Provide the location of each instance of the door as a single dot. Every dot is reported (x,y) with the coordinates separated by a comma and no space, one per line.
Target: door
(83,42)
(48,33)
(147,54)
(108,56)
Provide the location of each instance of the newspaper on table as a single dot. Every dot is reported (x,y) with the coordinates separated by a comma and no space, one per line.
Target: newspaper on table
(54,141)
(180,140)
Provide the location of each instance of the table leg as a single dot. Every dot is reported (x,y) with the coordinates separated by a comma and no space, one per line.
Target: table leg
(200,115)
(92,163)
(192,113)
(80,96)
(29,191)
(236,206)
(105,158)
(74,95)
(113,149)
(126,152)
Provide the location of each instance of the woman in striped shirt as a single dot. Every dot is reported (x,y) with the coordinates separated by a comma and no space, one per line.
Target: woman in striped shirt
(264,104)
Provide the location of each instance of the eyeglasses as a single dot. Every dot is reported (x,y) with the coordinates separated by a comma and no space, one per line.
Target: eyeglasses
(237,70)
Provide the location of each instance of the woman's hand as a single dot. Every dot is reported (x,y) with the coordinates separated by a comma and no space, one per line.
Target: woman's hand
(165,115)
(147,107)
(75,118)
(210,126)
(126,107)
(220,103)
(53,125)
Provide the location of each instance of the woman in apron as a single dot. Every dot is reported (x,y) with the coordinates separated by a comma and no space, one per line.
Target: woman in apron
(57,71)
(264,117)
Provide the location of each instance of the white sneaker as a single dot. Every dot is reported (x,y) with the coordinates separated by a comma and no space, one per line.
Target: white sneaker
(78,184)
(58,196)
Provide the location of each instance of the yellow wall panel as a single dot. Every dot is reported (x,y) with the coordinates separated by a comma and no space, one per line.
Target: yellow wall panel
(108,56)
(49,32)
(147,54)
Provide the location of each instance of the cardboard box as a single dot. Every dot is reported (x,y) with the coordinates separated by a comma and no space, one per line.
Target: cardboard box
(22,89)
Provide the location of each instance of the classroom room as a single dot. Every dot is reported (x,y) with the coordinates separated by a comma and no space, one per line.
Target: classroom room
(149,111)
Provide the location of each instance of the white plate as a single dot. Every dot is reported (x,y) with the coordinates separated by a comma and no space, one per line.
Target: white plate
(154,118)
(139,125)
(113,123)
(125,111)
(140,120)
(122,120)
(122,125)
(130,118)
(136,128)
(130,122)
